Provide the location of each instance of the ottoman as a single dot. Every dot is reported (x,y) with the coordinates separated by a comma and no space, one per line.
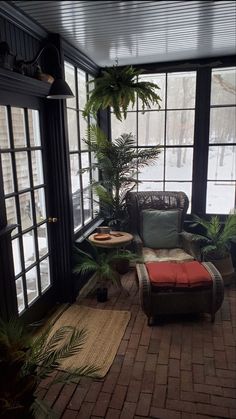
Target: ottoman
(169,288)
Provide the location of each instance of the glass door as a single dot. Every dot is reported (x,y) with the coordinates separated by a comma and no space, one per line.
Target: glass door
(25,193)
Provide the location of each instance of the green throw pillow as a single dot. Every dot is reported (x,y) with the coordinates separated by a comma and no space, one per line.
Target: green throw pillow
(160,229)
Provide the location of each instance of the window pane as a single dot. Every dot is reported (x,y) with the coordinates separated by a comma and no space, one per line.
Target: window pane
(150,186)
(222,163)
(4,134)
(90,85)
(127,126)
(26,210)
(45,274)
(40,207)
(95,206)
(180,127)
(72,129)
(18,126)
(221,197)
(42,240)
(82,89)
(76,194)
(86,175)
(181,187)
(76,202)
(83,126)
(223,125)
(95,169)
(29,248)
(16,256)
(20,295)
(94,179)
(34,128)
(7,173)
(153,171)
(70,79)
(223,87)
(11,213)
(160,80)
(74,171)
(31,283)
(22,169)
(37,167)
(181,88)
(151,128)
(87,205)
(179,163)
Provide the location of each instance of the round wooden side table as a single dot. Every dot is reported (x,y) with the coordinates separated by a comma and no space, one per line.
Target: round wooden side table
(117,239)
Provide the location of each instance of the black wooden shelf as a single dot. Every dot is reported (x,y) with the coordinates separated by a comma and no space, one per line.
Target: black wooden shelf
(12,81)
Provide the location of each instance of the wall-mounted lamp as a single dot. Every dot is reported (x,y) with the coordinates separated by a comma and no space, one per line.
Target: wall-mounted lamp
(59,88)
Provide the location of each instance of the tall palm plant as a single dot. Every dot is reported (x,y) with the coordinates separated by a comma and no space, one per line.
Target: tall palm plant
(118,162)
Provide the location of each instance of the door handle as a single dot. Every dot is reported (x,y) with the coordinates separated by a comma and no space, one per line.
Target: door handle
(52,219)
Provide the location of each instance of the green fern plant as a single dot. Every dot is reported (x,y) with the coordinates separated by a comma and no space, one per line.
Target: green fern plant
(118,87)
(216,241)
(25,361)
(117,162)
(101,263)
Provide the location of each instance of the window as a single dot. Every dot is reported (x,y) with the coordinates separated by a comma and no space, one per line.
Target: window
(172,127)
(221,177)
(84,206)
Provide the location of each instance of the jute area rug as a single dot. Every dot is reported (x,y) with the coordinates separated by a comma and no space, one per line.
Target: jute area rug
(105,329)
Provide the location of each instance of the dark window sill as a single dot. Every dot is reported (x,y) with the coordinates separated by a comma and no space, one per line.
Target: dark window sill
(84,232)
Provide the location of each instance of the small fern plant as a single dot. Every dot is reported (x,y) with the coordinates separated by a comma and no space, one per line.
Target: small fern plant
(101,263)
(25,361)
(118,87)
(216,241)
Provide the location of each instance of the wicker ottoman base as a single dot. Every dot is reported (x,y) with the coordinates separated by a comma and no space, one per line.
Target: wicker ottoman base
(196,300)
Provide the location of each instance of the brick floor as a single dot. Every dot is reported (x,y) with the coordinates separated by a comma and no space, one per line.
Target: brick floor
(183,368)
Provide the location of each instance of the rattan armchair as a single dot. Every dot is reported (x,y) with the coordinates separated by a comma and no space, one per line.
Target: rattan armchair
(156,301)
(139,201)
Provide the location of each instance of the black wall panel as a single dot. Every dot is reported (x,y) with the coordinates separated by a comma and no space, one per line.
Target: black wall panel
(21,43)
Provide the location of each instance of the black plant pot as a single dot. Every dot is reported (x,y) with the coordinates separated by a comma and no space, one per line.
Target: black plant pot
(121,266)
(101,295)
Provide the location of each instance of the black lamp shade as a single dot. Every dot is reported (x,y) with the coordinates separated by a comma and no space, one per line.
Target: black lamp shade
(60,90)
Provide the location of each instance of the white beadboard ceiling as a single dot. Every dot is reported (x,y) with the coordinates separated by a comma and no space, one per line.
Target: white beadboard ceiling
(138,32)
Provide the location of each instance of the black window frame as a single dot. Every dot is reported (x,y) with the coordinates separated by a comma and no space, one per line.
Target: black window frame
(86,227)
(201,144)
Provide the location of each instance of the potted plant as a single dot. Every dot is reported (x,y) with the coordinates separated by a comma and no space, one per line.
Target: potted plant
(103,264)
(118,87)
(26,360)
(216,243)
(117,162)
